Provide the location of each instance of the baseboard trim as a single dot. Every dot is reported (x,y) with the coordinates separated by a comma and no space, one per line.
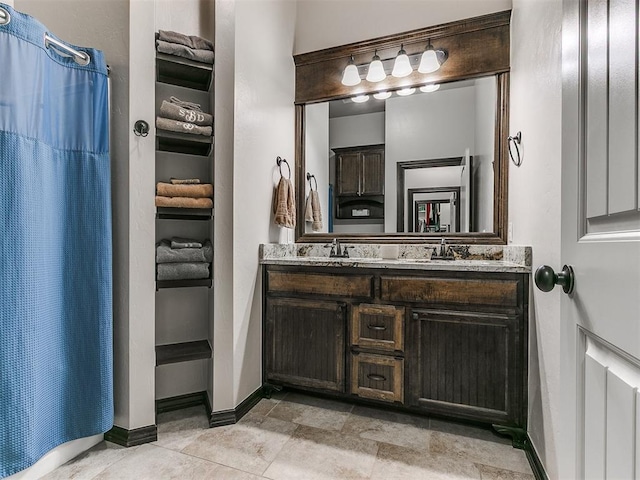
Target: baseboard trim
(181,401)
(131,438)
(534,460)
(229,417)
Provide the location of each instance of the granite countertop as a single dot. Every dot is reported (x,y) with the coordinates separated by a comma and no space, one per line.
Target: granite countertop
(479,258)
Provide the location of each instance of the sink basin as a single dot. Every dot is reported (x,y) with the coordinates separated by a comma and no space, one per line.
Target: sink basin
(338,259)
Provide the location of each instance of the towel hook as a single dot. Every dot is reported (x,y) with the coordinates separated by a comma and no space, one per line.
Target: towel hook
(516,141)
(279,163)
(309,177)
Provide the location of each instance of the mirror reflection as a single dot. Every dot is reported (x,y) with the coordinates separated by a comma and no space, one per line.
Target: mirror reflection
(417,163)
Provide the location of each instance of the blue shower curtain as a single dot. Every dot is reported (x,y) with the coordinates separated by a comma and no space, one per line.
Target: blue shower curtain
(55,245)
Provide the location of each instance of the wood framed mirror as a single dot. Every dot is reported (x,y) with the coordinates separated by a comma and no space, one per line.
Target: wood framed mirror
(466,117)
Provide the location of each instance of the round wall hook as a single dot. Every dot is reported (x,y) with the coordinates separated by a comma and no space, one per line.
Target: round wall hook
(516,141)
(141,128)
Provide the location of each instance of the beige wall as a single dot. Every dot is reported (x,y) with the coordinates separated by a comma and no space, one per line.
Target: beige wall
(534,200)
(329,23)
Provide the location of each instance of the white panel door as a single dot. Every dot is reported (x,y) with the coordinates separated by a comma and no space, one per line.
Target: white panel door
(600,328)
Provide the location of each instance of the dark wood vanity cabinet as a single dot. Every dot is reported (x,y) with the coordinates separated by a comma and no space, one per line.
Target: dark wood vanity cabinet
(445,343)
(360,171)
(306,342)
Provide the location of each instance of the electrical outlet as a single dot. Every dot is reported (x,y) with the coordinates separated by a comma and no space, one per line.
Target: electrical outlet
(510,233)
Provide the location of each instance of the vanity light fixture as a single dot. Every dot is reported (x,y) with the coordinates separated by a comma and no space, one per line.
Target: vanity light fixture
(430,87)
(376,71)
(351,77)
(402,65)
(382,95)
(429,62)
(406,92)
(360,98)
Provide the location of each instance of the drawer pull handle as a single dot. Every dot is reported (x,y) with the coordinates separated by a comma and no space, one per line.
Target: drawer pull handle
(377,378)
(376,327)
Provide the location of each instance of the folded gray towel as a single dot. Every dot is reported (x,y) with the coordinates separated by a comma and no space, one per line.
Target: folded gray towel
(185,104)
(166,254)
(179,242)
(204,56)
(191,41)
(182,127)
(183,271)
(173,111)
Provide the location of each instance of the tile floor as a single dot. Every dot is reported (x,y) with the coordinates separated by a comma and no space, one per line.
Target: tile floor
(295,436)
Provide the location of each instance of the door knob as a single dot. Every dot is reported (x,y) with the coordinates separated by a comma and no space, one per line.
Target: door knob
(546,278)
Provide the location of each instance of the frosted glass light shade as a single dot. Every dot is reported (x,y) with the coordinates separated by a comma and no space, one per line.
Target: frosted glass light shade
(429,87)
(351,77)
(382,95)
(360,98)
(376,71)
(402,65)
(406,91)
(429,62)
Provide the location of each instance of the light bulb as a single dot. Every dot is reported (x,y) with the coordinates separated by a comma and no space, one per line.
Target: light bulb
(382,95)
(360,98)
(402,65)
(376,71)
(351,75)
(406,91)
(430,87)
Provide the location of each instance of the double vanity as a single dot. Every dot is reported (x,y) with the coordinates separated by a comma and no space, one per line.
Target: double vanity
(443,337)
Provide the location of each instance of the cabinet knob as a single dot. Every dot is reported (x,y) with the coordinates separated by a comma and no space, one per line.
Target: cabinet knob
(415,316)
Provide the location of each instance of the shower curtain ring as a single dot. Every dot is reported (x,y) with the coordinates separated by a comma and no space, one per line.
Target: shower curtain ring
(5,17)
(141,128)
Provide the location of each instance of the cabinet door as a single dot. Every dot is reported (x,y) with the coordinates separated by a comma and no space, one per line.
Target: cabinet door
(348,166)
(305,343)
(467,364)
(372,174)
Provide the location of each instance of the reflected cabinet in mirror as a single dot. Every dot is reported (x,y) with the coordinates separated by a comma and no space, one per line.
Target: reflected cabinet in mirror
(411,164)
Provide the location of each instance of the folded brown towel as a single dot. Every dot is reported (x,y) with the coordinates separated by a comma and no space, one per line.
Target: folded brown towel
(316,226)
(183,202)
(284,204)
(203,190)
(175,112)
(185,181)
(199,55)
(191,41)
(182,127)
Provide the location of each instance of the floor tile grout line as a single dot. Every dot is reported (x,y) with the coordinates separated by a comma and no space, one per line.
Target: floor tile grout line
(111,464)
(281,448)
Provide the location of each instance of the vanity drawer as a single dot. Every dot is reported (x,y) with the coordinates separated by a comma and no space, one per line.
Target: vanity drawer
(320,284)
(451,291)
(377,376)
(378,326)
